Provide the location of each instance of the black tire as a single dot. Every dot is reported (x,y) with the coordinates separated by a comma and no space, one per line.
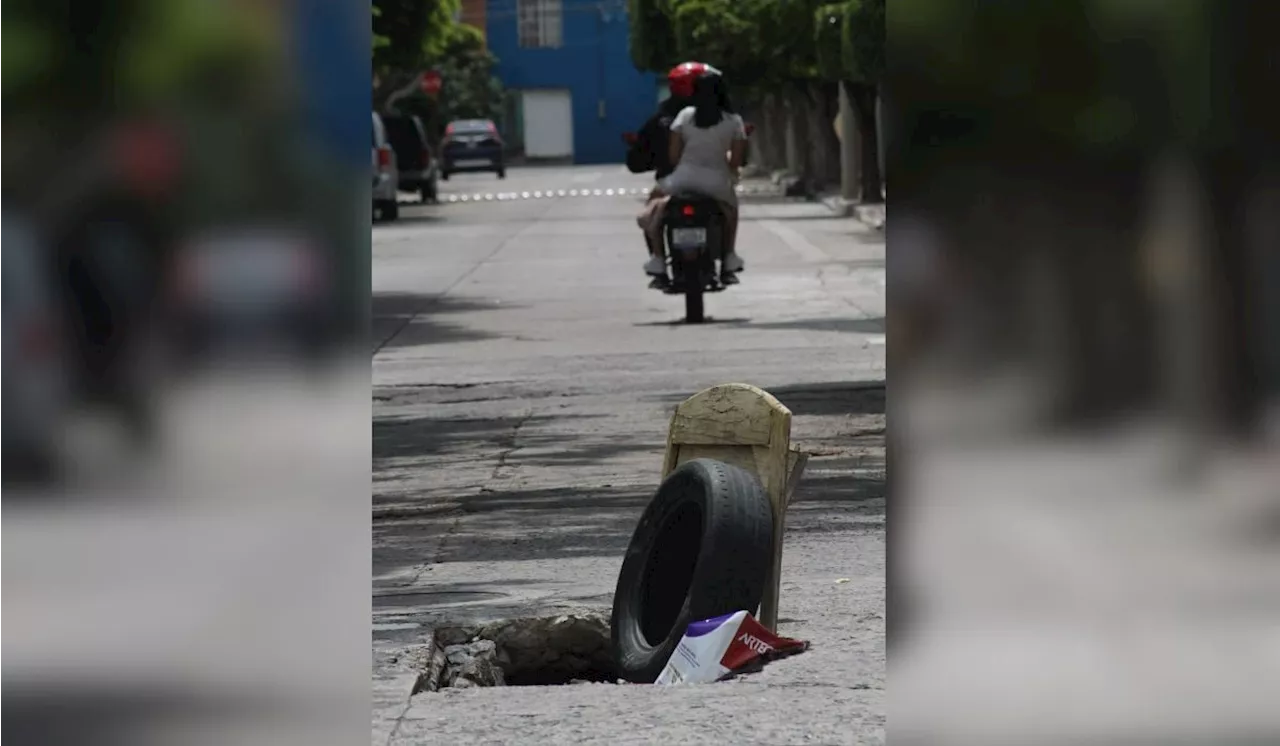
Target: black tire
(694,312)
(444,175)
(429,192)
(385,211)
(502,173)
(703,548)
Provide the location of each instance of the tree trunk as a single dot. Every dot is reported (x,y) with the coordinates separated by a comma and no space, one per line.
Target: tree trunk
(389,84)
(775,134)
(849,148)
(796,128)
(864,105)
(823,146)
(764,154)
(1232,275)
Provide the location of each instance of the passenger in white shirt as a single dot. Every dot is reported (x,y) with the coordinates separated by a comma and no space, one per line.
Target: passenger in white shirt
(707,145)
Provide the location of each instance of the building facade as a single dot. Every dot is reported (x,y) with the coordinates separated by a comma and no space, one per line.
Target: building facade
(573,90)
(473,13)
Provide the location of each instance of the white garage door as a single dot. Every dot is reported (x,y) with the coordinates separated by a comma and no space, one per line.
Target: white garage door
(548,124)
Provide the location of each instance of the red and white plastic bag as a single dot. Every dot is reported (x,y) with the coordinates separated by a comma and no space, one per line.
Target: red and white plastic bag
(723,646)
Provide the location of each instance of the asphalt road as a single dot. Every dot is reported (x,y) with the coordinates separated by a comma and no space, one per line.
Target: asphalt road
(523,380)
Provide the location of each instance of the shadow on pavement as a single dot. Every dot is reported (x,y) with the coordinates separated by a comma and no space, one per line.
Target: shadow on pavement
(69,712)
(846,325)
(817,399)
(408,437)
(409,320)
(832,399)
(875,325)
(588,521)
(558,450)
(574,510)
(548,523)
(709,320)
(412,218)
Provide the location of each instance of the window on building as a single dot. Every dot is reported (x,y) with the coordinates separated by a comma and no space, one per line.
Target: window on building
(541,23)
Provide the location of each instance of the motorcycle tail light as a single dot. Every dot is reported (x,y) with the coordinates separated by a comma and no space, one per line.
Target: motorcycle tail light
(688,211)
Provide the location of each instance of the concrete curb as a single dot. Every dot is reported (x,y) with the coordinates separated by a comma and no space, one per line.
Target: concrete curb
(873,216)
(845,208)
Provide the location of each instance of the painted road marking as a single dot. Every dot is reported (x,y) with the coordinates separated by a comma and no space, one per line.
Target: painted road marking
(563,193)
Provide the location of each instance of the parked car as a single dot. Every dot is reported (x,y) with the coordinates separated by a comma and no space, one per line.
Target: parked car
(250,289)
(418,170)
(386,174)
(36,378)
(472,145)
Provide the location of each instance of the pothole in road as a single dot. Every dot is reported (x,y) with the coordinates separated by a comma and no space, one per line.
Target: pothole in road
(536,651)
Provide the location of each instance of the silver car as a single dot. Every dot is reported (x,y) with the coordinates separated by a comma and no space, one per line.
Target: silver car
(36,376)
(386,179)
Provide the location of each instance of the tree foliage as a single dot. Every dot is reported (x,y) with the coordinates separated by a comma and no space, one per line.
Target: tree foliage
(830,28)
(412,36)
(653,35)
(470,89)
(104,55)
(720,32)
(762,43)
(408,33)
(862,41)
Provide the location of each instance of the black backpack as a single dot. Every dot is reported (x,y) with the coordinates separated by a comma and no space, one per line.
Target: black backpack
(644,155)
(640,159)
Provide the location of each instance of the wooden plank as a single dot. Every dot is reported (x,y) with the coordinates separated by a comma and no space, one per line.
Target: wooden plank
(748,427)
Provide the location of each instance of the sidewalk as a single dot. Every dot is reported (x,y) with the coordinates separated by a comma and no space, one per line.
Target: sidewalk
(871,214)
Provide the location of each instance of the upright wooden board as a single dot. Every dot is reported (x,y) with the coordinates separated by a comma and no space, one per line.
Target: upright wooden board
(743,425)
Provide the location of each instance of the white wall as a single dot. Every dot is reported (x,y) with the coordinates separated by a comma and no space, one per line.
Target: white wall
(548,123)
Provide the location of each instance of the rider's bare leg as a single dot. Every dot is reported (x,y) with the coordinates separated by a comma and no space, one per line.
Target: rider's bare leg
(731,263)
(657,264)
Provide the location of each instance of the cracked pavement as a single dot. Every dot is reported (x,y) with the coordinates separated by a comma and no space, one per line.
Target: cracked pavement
(523,381)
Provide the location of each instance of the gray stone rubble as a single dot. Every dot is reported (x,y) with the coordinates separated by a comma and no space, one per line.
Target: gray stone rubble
(561,649)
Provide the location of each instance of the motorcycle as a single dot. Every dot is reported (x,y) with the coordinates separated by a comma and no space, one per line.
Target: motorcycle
(694,230)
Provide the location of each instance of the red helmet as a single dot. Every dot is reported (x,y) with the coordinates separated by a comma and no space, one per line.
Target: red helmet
(682,76)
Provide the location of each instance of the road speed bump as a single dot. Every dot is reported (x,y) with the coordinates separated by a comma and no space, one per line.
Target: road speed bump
(743,425)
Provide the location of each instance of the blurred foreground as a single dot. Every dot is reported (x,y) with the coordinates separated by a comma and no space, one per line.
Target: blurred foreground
(1085,523)
(185,403)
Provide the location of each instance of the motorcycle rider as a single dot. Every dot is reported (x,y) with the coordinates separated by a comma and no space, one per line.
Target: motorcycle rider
(707,144)
(651,148)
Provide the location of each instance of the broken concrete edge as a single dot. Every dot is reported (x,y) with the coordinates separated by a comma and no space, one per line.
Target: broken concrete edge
(571,648)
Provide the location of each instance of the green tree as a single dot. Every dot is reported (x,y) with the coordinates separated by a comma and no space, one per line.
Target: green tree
(653,36)
(860,72)
(757,43)
(830,32)
(469,91)
(410,37)
(409,33)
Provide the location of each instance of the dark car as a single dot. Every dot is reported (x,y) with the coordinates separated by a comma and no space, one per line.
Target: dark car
(472,145)
(249,288)
(417,165)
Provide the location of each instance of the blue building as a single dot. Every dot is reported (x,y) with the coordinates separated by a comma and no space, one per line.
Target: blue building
(573,90)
